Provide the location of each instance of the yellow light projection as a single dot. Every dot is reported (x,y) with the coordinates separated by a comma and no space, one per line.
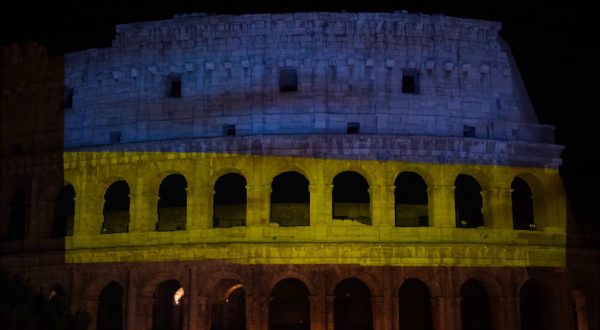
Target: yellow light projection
(336,231)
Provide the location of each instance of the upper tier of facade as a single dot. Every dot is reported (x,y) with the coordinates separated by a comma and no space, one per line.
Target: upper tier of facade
(199,76)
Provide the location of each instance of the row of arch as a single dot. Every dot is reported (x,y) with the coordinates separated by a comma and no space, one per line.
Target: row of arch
(290,203)
(290,306)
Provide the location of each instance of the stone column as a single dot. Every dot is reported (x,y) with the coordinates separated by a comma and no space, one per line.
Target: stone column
(377,201)
(131,301)
(507,313)
(146,312)
(328,203)
(317,307)
(90,306)
(396,313)
(200,207)
(316,204)
(329,301)
(389,207)
(144,211)
(497,208)
(441,206)
(193,300)
(378,312)
(443,311)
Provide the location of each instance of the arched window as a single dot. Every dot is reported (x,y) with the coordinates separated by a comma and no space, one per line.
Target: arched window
(228,309)
(351,198)
(415,306)
(468,202)
(172,203)
(290,200)
(168,309)
(110,308)
(474,306)
(411,201)
(229,201)
(116,208)
(522,205)
(290,307)
(17,221)
(352,306)
(64,212)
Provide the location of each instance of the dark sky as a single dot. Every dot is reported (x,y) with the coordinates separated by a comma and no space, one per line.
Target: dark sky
(552,43)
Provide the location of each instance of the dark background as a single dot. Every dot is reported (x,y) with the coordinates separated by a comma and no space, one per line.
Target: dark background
(553,43)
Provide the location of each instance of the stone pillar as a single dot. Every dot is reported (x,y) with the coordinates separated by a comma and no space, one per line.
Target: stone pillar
(200,207)
(441,206)
(316,204)
(330,301)
(443,310)
(378,202)
(507,313)
(258,205)
(497,208)
(193,300)
(396,313)
(131,301)
(378,312)
(317,309)
(389,206)
(143,207)
(204,312)
(328,203)
(90,306)
(146,312)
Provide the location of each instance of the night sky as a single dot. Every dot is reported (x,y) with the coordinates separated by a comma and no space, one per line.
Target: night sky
(552,43)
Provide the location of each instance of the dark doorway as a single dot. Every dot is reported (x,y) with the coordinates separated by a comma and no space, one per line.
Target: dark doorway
(352,306)
(411,201)
(351,198)
(290,307)
(172,203)
(415,306)
(474,306)
(64,212)
(290,200)
(531,306)
(228,310)
(468,202)
(229,201)
(167,311)
(110,308)
(116,208)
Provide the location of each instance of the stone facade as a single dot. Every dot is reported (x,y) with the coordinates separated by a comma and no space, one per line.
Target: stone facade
(337,100)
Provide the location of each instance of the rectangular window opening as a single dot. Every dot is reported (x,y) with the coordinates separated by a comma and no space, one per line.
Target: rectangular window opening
(229,130)
(468,131)
(410,83)
(174,86)
(353,128)
(115,137)
(288,80)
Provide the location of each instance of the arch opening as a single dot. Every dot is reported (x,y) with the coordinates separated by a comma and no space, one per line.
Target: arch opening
(468,202)
(17,220)
(64,212)
(168,308)
(411,208)
(534,301)
(522,205)
(474,306)
(415,306)
(352,308)
(228,309)
(229,201)
(116,208)
(110,308)
(172,203)
(350,198)
(290,200)
(290,306)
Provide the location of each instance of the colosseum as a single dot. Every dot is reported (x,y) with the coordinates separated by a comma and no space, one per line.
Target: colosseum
(364,171)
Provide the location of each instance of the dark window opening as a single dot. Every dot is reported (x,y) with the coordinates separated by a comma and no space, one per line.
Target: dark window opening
(110,308)
(172,203)
(353,128)
(229,130)
(167,311)
(522,205)
(174,87)
(68,98)
(229,201)
(115,137)
(290,306)
(411,201)
(468,202)
(468,131)
(116,208)
(288,80)
(64,212)
(351,198)
(474,306)
(532,306)
(410,84)
(17,221)
(290,200)
(415,306)
(352,308)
